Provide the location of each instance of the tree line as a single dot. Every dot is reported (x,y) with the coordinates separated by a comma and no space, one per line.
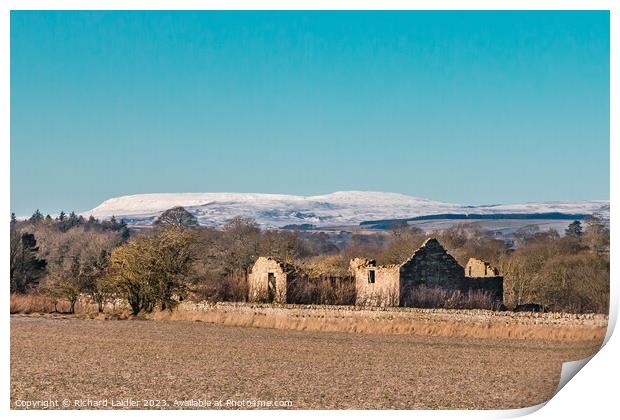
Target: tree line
(69,257)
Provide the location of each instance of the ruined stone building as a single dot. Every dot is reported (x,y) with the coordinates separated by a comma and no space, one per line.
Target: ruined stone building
(479,268)
(269,279)
(430,266)
(274,281)
(480,275)
(376,285)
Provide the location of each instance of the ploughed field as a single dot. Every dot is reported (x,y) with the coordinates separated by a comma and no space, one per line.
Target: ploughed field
(195,362)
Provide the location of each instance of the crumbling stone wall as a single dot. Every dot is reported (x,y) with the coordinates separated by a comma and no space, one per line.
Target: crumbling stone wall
(375,285)
(480,268)
(480,275)
(431,266)
(258,281)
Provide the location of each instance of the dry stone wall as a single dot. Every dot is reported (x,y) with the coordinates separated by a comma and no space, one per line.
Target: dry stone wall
(415,321)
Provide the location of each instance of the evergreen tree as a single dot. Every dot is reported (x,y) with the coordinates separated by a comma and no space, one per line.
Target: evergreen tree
(574,229)
(124,231)
(36,217)
(25,267)
(72,220)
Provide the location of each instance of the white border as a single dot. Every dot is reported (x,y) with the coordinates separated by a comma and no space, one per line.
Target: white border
(595,385)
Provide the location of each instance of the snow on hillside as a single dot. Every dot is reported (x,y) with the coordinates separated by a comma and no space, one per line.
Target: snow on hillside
(339,208)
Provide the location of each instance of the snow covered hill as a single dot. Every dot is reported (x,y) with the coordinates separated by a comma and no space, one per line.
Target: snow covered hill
(336,209)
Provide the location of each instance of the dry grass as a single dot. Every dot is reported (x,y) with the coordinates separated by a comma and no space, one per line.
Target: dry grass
(324,290)
(36,303)
(39,304)
(434,297)
(78,359)
(434,323)
(328,318)
(25,304)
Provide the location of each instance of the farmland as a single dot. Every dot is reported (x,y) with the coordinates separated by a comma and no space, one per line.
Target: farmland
(178,364)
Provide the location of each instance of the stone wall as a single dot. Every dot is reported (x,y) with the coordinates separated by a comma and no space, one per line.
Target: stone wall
(480,268)
(384,291)
(415,321)
(258,281)
(430,266)
(480,275)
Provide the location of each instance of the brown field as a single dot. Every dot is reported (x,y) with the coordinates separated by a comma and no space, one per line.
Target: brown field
(58,358)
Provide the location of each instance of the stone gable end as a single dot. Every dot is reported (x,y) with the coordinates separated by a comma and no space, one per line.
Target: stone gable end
(431,266)
(267,281)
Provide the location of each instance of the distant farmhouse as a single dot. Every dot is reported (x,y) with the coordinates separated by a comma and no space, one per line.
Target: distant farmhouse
(430,267)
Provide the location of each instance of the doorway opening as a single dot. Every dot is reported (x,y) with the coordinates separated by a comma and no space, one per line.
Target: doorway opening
(271,286)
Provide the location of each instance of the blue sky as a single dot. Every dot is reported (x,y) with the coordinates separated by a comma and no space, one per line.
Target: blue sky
(467,107)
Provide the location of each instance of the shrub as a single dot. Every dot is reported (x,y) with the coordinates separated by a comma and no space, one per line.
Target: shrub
(150,271)
(434,297)
(322,290)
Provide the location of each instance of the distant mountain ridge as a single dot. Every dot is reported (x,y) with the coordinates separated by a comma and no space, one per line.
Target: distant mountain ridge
(342,208)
